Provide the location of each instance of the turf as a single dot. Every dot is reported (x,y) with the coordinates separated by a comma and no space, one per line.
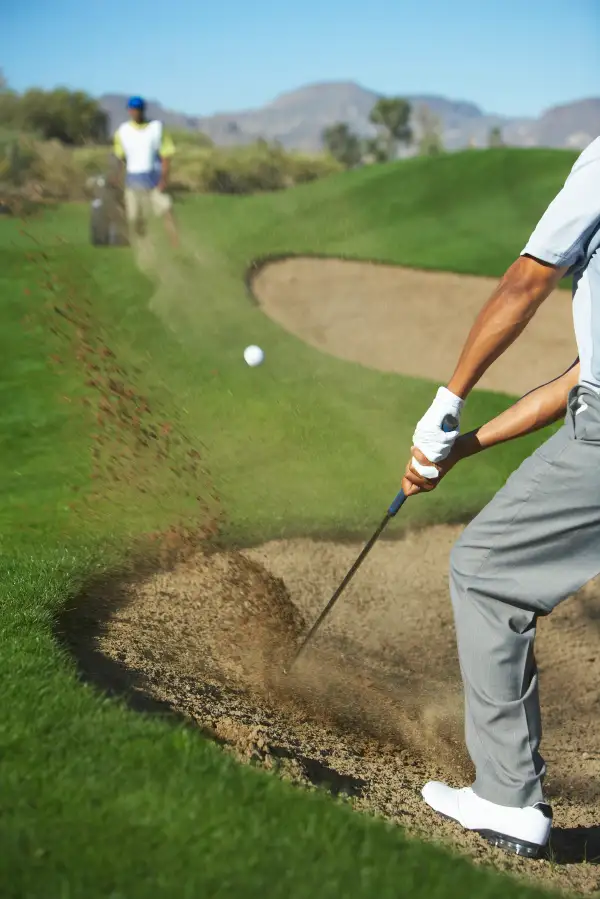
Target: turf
(96,800)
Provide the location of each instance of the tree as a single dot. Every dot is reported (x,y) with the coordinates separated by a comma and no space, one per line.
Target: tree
(376,149)
(495,137)
(392,114)
(343,144)
(71,117)
(9,101)
(430,129)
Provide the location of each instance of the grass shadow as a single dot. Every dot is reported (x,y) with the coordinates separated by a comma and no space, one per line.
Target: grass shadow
(78,628)
(575,845)
(323,775)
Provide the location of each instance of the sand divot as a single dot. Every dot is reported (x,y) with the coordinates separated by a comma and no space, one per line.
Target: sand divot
(375,709)
(182,278)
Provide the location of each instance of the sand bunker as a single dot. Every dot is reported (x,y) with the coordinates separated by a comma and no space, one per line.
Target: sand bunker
(374,709)
(408,321)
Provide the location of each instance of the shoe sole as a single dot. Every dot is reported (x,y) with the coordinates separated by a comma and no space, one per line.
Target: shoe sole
(504,842)
(509,844)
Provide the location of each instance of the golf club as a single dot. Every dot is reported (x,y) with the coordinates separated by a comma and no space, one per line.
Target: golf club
(449,424)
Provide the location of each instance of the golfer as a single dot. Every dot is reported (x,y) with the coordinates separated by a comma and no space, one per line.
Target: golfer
(538,540)
(147,150)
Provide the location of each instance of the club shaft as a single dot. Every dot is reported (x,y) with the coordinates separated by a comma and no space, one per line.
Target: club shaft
(449,423)
(368,546)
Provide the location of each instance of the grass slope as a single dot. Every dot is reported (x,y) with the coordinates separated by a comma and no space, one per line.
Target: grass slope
(97,801)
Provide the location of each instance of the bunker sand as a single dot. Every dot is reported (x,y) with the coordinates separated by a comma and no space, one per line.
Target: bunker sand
(374,709)
(408,321)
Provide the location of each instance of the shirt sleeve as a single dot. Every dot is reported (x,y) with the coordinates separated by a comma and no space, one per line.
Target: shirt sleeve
(561,236)
(118,147)
(167,147)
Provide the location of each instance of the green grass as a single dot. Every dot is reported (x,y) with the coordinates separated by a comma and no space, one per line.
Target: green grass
(99,802)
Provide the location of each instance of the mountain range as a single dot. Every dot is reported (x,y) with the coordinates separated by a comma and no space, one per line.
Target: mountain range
(296,119)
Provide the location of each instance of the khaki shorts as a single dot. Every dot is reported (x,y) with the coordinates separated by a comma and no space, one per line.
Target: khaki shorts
(141,204)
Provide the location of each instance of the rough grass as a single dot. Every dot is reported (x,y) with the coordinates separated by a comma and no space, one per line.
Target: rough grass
(96,800)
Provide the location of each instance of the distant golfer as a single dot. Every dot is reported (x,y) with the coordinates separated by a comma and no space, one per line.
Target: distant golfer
(146,150)
(538,540)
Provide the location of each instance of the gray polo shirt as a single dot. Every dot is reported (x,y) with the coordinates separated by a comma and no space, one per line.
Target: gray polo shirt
(568,234)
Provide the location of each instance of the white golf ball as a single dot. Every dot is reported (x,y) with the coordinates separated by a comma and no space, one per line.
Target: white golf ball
(253,355)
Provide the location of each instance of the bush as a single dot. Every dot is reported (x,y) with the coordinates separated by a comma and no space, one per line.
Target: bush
(46,170)
(16,159)
(56,173)
(253,168)
(190,138)
(73,117)
(91,160)
(49,170)
(303,167)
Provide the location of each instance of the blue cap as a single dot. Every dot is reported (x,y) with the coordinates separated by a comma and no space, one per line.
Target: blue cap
(135,103)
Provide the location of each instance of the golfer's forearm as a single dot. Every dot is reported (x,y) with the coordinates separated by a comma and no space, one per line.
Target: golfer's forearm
(536,410)
(165,169)
(513,304)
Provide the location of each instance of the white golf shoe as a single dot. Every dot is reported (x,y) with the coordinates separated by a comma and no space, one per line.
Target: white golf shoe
(523,831)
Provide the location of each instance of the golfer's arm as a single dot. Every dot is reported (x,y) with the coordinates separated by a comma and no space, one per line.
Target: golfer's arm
(165,168)
(541,407)
(167,151)
(119,154)
(513,304)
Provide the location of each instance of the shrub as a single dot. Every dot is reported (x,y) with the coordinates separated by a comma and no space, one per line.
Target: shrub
(257,167)
(72,117)
(190,138)
(49,170)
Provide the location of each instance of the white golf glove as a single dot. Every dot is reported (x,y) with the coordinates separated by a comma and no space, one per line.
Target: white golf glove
(430,438)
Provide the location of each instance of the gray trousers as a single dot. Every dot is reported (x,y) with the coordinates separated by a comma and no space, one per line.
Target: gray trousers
(534,545)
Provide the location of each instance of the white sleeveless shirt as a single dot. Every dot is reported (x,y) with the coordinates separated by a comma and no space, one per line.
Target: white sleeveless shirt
(141,146)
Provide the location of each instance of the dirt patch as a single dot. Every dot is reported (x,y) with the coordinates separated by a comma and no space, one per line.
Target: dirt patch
(374,710)
(408,321)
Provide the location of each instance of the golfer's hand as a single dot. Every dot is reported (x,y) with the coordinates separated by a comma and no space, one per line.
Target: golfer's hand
(413,482)
(430,436)
(161,186)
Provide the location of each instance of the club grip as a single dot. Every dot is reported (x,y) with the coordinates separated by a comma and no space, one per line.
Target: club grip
(397,504)
(450,423)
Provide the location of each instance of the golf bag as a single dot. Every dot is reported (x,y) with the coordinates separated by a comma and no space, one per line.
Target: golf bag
(108,225)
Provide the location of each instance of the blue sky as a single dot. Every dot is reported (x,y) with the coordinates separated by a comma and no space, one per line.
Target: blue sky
(509,56)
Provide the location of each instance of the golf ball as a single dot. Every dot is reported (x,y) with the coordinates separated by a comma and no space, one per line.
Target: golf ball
(253,355)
